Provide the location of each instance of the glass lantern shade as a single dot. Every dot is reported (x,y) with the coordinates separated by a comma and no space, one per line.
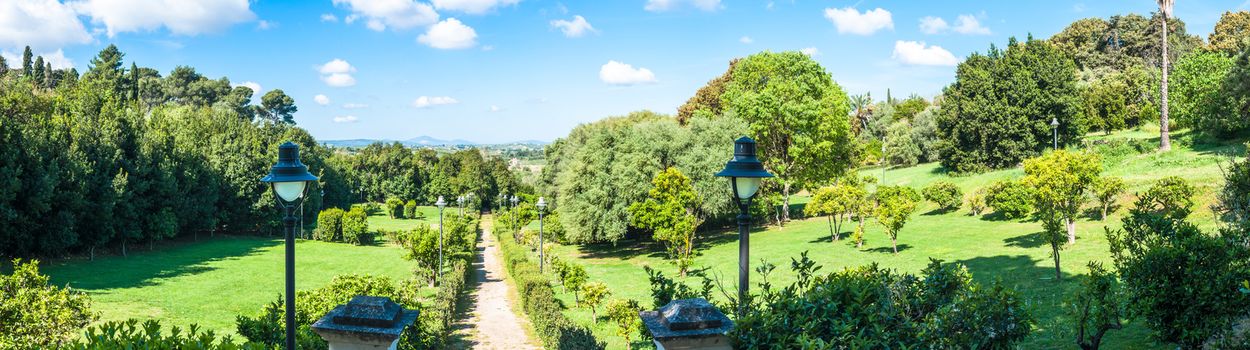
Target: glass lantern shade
(542,204)
(290,191)
(441,203)
(745,170)
(745,187)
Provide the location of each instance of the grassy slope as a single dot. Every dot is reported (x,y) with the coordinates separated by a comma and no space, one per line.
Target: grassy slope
(209,282)
(993,249)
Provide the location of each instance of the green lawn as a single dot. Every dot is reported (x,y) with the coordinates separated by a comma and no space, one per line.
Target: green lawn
(211,281)
(429,215)
(992,248)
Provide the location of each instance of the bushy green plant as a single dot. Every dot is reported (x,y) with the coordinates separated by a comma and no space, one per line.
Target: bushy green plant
(593,296)
(410,209)
(895,204)
(976,201)
(1097,307)
(1106,189)
(539,302)
(943,193)
(395,208)
(624,314)
(1010,198)
(329,225)
(665,290)
(1170,197)
(372,208)
(870,307)
(34,314)
(356,227)
(130,334)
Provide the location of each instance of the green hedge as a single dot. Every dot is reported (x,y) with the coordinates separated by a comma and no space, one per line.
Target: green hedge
(539,302)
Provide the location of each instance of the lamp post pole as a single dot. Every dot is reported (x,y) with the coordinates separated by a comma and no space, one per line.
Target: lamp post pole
(440,205)
(289,180)
(883,162)
(745,173)
(1054,130)
(542,207)
(516,230)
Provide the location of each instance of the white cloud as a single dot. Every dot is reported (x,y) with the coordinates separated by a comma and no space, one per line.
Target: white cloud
(396,14)
(746,40)
(345,119)
(251,85)
(42,24)
(449,34)
(355,105)
(181,17)
(265,25)
(475,7)
(57,59)
(431,101)
(933,25)
(321,100)
(574,28)
(850,20)
(494,109)
(666,5)
(337,73)
(617,73)
(917,53)
(967,24)
(810,51)
(329,17)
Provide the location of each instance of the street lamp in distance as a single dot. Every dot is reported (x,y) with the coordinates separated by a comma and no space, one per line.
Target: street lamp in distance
(1054,130)
(440,203)
(745,173)
(542,207)
(289,179)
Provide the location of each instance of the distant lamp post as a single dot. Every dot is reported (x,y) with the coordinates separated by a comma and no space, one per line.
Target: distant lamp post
(542,206)
(441,203)
(1054,130)
(460,204)
(745,173)
(289,178)
(516,230)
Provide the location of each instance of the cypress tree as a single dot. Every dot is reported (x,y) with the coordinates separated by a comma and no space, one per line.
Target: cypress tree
(26,57)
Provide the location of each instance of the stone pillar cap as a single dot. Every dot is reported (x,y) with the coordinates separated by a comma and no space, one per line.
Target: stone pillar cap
(367,317)
(686,318)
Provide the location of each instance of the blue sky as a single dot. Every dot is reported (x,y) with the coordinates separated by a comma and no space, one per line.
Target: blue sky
(504,70)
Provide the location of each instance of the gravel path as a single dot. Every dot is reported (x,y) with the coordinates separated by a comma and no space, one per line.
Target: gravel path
(492,323)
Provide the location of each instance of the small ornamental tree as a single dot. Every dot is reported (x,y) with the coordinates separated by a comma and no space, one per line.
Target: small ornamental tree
(1171,197)
(410,209)
(1010,198)
(421,245)
(574,277)
(1106,189)
(864,206)
(669,211)
(976,202)
(356,227)
(36,314)
(593,295)
(836,203)
(1059,181)
(329,225)
(895,204)
(395,208)
(943,193)
(1097,307)
(624,313)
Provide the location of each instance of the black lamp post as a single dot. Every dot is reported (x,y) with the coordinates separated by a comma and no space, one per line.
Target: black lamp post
(745,173)
(542,206)
(516,231)
(1054,130)
(288,179)
(460,205)
(441,203)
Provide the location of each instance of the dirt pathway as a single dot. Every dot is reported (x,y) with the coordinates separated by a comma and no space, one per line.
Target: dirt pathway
(492,322)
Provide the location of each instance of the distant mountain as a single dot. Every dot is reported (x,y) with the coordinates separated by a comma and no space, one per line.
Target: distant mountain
(426,141)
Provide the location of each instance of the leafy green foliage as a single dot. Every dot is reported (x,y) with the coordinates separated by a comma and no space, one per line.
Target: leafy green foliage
(1234,198)
(871,307)
(572,277)
(1059,181)
(356,227)
(1170,197)
(624,313)
(797,115)
(1230,33)
(945,194)
(410,209)
(976,201)
(539,302)
(395,208)
(706,102)
(669,212)
(593,296)
(1098,306)
(329,225)
(130,334)
(1013,199)
(998,111)
(900,148)
(1197,97)
(1237,87)
(665,290)
(1105,191)
(34,314)
(838,203)
(895,204)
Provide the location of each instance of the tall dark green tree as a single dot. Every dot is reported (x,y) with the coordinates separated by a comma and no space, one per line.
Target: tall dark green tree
(276,106)
(27,56)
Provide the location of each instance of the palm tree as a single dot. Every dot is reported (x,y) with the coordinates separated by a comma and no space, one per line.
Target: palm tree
(1165,142)
(859,104)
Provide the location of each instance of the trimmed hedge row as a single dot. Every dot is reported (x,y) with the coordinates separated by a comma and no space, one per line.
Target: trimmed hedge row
(437,318)
(539,301)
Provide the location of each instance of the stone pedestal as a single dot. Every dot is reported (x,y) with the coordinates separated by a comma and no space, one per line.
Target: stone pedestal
(365,323)
(688,324)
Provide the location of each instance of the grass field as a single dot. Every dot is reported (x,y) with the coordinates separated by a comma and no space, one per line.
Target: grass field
(211,281)
(991,248)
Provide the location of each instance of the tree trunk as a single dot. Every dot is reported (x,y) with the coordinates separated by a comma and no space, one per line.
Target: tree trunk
(1165,141)
(894,243)
(1104,212)
(833,236)
(123,247)
(860,243)
(1071,230)
(92,253)
(785,203)
(1055,252)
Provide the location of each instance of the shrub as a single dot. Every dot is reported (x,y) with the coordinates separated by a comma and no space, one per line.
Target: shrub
(665,290)
(1171,197)
(1097,307)
(131,335)
(329,225)
(1106,189)
(539,302)
(976,202)
(873,308)
(38,315)
(372,208)
(593,295)
(410,209)
(1011,198)
(395,208)
(356,227)
(624,313)
(944,193)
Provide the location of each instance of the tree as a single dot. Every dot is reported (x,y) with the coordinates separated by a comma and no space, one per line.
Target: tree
(1107,105)
(593,294)
(1170,197)
(945,194)
(624,313)
(573,278)
(421,245)
(37,73)
(797,115)
(277,107)
(1059,180)
(1236,88)
(861,106)
(998,111)
(107,65)
(1165,143)
(1098,307)
(36,314)
(895,204)
(1200,100)
(862,207)
(707,100)
(356,227)
(329,225)
(1013,199)
(924,133)
(410,209)
(395,208)
(669,212)
(1230,33)
(4,67)
(27,56)
(900,149)
(837,203)
(976,201)
(1106,189)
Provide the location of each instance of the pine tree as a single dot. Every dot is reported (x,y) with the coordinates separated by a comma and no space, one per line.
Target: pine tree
(49,76)
(36,72)
(26,57)
(4,66)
